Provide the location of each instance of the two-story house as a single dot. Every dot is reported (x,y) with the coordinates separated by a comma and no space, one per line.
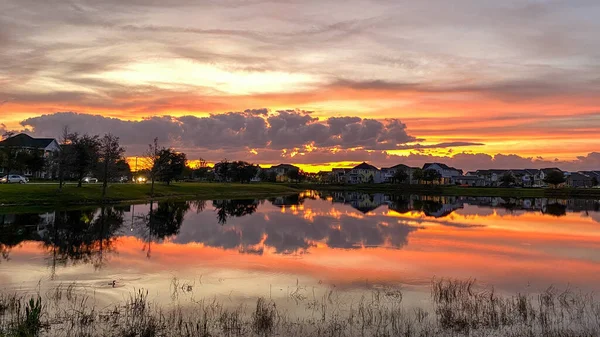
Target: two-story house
(388,173)
(447,173)
(338,175)
(48,148)
(578,180)
(538,179)
(491,177)
(282,171)
(364,173)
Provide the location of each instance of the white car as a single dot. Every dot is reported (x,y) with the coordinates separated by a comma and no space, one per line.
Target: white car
(90,180)
(13,178)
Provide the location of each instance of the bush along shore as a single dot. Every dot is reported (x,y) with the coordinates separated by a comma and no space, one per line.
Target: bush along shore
(456,308)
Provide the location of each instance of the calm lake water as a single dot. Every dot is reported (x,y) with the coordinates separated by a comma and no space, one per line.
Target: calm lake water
(292,248)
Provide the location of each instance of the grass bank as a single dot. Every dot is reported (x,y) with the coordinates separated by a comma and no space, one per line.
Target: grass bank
(565,193)
(456,308)
(48,194)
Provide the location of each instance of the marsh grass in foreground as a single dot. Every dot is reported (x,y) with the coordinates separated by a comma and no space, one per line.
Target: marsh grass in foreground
(458,308)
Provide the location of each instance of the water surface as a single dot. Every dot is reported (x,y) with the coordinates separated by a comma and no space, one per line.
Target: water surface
(302,246)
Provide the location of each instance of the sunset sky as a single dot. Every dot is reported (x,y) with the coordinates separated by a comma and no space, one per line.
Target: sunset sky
(475,84)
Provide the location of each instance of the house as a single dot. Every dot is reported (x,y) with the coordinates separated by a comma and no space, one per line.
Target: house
(538,179)
(524,177)
(491,177)
(364,173)
(338,175)
(446,172)
(388,173)
(578,180)
(48,148)
(593,175)
(470,180)
(282,171)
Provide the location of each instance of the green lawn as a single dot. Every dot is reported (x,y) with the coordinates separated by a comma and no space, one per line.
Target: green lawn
(48,194)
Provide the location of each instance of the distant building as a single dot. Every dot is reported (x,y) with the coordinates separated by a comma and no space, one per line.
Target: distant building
(447,173)
(282,171)
(593,175)
(388,173)
(542,174)
(338,175)
(491,177)
(524,177)
(470,180)
(364,173)
(46,147)
(578,180)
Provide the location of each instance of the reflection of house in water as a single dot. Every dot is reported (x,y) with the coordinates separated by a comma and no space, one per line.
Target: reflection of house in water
(544,205)
(361,201)
(439,206)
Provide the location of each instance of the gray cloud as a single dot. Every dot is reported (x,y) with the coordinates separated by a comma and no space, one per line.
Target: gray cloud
(253,128)
(281,137)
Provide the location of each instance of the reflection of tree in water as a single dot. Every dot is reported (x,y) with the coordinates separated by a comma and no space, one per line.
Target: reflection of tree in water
(400,204)
(163,220)
(428,206)
(16,228)
(199,205)
(556,209)
(82,236)
(167,218)
(234,208)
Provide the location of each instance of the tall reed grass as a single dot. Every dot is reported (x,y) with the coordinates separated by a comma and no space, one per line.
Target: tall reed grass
(456,308)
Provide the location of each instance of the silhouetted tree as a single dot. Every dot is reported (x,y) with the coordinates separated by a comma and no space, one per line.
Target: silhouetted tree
(555,178)
(508,179)
(64,157)
(431,175)
(8,155)
(418,175)
(110,152)
(594,181)
(400,176)
(170,164)
(85,155)
(295,175)
(222,170)
(267,176)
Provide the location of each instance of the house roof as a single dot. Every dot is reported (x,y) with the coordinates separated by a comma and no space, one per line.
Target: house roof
(365,166)
(285,166)
(443,166)
(550,169)
(591,174)
(24,140)
(577,176)
(465,178)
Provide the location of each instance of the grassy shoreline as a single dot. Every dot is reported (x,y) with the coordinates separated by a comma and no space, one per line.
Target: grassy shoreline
(49,195)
